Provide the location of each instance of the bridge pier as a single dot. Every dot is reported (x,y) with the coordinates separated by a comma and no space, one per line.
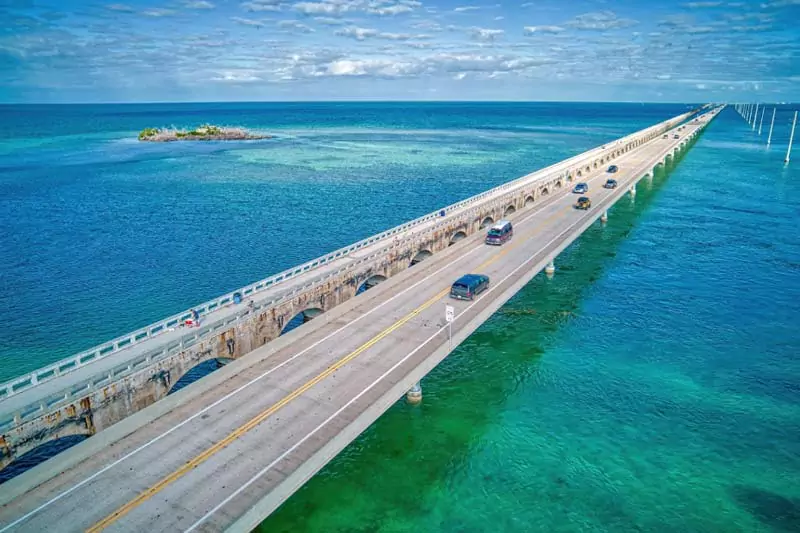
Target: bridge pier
(632,191)
(414,394)
(550,269)
(604,217)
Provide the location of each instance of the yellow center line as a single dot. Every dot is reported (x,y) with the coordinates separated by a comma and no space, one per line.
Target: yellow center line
(241,430)
(255,421)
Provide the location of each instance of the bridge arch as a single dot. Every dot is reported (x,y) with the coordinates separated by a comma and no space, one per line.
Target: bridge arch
(370,282)
(40,454)
(306,315)
(457,236)
(510,210)
(545,191)
(559,184)
(487,221)
(420,256)
(528,200)
(200,370)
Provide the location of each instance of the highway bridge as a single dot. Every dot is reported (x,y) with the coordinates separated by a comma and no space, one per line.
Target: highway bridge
(224,452)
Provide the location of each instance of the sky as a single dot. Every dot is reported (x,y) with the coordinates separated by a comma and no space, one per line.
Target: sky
(59,51)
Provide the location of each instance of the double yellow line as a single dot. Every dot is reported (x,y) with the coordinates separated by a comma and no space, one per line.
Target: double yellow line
(258,419)
(255,421)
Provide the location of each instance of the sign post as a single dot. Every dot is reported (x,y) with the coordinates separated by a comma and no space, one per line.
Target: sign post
(449,315)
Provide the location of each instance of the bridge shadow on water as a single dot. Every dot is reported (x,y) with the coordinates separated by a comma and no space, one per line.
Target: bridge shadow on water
(39,455)
(384,477)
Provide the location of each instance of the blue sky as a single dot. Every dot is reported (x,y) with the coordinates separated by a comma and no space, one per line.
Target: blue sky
(215,50)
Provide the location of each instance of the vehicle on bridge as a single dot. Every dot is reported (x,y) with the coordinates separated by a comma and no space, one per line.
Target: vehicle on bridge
(468,286)
(500,233)
(676,136)
(583,203)
(610,184)
(581,188)
(665,136)
(612,169)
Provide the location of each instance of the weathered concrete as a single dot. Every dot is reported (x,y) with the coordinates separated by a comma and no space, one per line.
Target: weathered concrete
(305,395)
(132,386)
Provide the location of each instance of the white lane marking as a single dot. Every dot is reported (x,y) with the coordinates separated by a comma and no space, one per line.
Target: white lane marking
(75,487)
(392,369)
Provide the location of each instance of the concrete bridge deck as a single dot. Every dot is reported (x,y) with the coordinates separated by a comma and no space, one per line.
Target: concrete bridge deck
(226,451)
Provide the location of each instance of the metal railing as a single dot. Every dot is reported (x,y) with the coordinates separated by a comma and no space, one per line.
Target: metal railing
(22,383)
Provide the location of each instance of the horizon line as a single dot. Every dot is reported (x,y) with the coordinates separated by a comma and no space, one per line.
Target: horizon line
(361,101)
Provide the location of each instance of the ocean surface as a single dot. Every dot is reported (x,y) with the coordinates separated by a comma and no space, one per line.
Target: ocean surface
(652,385)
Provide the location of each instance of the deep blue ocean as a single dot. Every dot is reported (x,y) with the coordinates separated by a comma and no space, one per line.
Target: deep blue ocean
(652,385)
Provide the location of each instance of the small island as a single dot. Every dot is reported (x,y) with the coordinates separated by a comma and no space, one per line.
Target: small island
(207,132)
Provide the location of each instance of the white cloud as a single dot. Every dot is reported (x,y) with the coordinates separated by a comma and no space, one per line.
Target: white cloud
(485,34)
(428,25)
(371,7)
(262,5)
(158,12)
(361,34)
(237,77)
(530,30)
(696,5)
(600,21)
(464,9)
(390,10)
(701,86)
(248,22)
(120,7)
(437,64)
(320,8)
(330,21)
(780,3)
(199,4)
(295,25)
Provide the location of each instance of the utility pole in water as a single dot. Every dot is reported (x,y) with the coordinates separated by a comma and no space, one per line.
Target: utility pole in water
(791,138)
(769,139)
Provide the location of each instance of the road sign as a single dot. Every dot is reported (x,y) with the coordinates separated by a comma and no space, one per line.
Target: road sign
(449,313)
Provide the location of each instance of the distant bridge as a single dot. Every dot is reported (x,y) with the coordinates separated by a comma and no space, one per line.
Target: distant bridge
(255,430)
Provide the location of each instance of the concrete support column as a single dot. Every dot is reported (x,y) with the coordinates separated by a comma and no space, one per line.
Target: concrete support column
(550,269)
(604,217)
(632,190)
(414,395)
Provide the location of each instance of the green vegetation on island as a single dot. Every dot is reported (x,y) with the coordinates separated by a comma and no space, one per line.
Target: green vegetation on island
(206,132)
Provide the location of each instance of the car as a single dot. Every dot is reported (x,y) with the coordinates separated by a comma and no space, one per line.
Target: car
(612,169)
(500,233)
(581,188)
(468,286)
(583,203)
(610,184)
(676,136)
(665,136)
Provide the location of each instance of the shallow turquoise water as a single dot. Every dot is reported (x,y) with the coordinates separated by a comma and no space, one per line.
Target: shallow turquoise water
(652,385)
